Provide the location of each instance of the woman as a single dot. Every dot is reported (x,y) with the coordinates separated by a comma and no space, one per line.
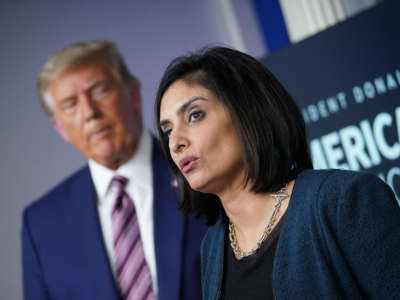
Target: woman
(236,142)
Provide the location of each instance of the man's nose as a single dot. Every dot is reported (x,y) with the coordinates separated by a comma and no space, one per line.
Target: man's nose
(89,108)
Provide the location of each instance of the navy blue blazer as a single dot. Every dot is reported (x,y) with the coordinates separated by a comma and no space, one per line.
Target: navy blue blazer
(64,255)
(340,240)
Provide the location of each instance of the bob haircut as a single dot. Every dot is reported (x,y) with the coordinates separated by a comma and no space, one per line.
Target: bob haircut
(269,124)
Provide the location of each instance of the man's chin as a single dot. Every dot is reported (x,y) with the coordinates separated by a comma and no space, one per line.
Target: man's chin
(108,162)
(104,149)
(104,154)
(110,155)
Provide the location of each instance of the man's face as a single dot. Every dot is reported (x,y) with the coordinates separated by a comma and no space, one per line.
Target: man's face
(96,112)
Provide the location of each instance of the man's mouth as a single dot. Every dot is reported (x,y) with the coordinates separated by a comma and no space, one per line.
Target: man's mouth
(100,133)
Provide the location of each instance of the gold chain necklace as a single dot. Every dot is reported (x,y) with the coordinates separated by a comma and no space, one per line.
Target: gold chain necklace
(239,254)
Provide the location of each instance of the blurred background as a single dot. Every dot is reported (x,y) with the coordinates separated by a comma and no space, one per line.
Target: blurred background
(286,35)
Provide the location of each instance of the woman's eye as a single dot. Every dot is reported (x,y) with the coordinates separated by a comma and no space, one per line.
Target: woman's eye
(167,132)
(195,116)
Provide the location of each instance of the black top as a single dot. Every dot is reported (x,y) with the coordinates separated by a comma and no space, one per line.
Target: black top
(250,277)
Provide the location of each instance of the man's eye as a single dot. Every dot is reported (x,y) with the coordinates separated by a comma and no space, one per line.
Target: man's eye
(195,116)
(99,92)
(68,106)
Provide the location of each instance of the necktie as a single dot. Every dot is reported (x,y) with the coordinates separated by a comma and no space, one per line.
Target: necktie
(132,271)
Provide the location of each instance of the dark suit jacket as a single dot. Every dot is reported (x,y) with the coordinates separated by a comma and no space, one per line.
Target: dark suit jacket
(340,240)
(64,256)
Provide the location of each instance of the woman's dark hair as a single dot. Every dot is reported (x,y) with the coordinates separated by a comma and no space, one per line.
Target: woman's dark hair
(269,124)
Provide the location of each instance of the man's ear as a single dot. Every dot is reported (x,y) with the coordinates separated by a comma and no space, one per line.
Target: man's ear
(136,97)
(60,129)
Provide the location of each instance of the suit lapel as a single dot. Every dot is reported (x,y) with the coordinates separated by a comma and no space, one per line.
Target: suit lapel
(93,256)
(168,229)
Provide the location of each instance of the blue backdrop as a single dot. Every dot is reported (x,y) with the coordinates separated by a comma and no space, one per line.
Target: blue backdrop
(346,81)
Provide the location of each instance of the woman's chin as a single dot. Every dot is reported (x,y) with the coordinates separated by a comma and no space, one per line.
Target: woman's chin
(201,186)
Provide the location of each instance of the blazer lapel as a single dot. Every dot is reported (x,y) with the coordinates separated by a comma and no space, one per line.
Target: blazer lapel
(88,230)
(168,228)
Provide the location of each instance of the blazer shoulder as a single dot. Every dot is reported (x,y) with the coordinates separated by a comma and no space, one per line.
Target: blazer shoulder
(330,190)
(59,194)
(333,181)
(320,176)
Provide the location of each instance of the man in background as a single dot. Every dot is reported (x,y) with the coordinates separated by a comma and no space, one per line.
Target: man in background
(111,230)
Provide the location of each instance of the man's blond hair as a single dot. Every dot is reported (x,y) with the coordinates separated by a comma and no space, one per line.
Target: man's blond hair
(74,54)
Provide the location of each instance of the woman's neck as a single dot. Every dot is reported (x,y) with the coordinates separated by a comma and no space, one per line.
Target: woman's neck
(250,213)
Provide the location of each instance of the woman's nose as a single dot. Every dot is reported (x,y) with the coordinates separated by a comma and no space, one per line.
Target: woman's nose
(178,142)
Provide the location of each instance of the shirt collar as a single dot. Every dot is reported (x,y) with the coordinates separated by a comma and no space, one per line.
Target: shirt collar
(137,169)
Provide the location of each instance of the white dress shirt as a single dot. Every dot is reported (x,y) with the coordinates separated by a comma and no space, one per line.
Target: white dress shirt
(139,188)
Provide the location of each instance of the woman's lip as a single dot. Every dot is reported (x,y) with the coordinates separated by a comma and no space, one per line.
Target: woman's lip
(187,163)
(189,166)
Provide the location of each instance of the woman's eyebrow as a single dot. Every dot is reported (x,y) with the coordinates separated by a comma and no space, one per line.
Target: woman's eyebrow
(183,107)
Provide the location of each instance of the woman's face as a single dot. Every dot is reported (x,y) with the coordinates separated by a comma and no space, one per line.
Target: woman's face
(203,142)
